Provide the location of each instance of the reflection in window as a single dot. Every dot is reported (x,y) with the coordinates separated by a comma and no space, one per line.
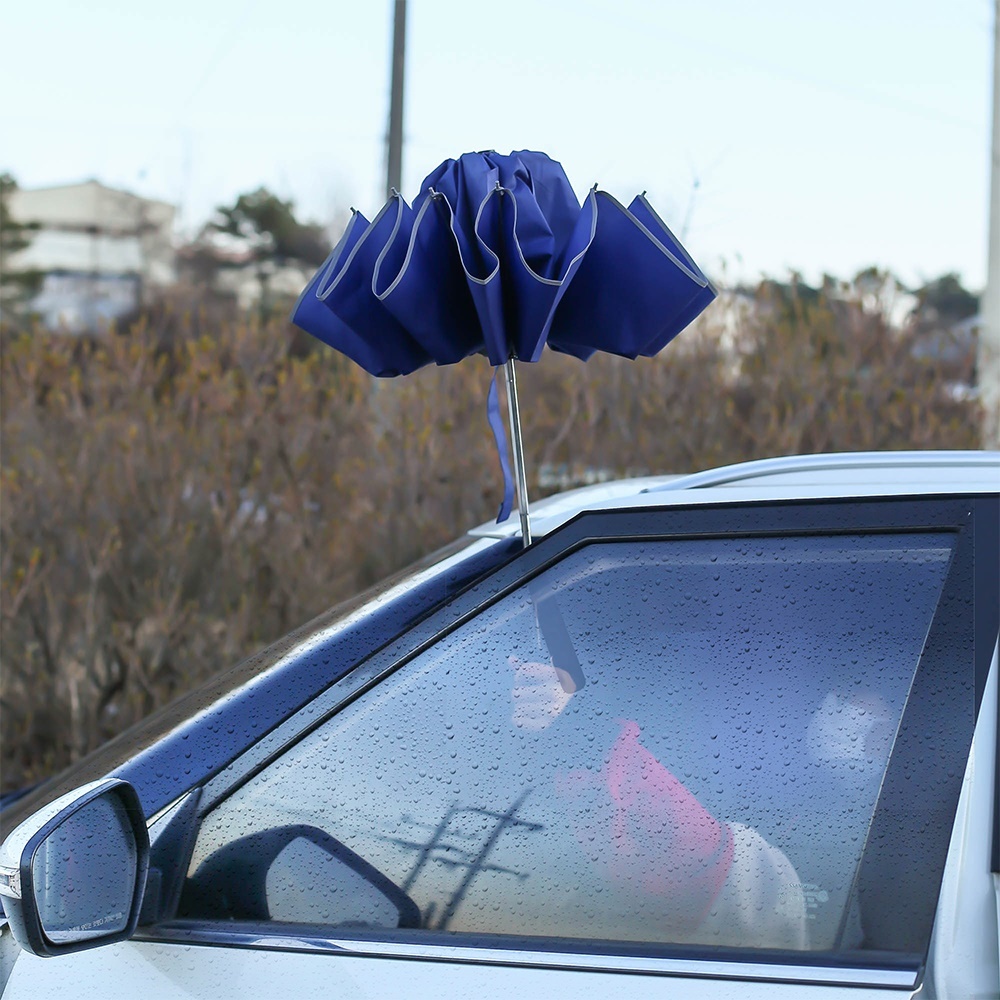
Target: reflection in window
(673,741)
(306,884)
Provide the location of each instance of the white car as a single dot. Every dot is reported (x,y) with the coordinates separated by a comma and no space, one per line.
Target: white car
(728,734)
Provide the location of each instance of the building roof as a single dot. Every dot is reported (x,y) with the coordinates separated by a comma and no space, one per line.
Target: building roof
(91,205)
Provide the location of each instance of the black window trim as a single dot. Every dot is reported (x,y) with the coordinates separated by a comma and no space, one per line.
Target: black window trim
(961,514)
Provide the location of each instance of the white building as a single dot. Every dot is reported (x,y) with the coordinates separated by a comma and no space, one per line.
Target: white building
(102,251)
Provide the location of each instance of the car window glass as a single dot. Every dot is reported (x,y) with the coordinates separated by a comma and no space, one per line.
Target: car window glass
(305,884)
(694,758)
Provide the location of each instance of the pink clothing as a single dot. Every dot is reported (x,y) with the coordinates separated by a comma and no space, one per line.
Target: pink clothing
(709,882)
(649,831)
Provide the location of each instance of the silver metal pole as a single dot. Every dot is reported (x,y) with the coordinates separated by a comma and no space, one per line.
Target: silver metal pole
(988,362)
(515,440)
(394,155)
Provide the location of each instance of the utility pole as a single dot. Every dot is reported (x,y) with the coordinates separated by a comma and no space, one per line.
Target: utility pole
(394,159)
(988,361)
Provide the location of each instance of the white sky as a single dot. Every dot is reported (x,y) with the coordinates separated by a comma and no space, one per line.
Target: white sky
(788,133)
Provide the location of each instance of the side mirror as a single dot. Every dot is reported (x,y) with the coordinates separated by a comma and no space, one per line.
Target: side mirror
(72,875)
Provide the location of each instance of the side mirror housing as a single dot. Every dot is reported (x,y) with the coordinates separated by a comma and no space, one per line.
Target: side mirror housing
(72,875)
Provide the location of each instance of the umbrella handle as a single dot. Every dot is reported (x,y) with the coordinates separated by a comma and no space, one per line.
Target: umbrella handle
(518,448)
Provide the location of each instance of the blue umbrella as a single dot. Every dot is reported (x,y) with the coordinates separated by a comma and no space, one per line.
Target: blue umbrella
(496,256)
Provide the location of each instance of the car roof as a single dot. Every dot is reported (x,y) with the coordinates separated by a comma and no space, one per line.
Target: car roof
(847,474)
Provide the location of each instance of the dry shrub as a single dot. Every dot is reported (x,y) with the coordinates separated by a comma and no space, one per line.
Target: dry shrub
(174,499)
(784,378)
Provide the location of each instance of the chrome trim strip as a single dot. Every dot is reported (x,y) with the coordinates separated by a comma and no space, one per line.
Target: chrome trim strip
(567,960)
(629,963)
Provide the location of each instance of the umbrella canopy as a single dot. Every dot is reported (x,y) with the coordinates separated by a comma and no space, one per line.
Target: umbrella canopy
(496,256)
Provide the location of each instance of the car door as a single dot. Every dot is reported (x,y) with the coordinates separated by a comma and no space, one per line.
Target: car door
(680,752)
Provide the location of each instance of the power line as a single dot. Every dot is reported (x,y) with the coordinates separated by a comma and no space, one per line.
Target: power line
(866,94)
(222,49)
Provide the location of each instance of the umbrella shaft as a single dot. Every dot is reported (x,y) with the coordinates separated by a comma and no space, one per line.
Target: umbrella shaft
(515,440)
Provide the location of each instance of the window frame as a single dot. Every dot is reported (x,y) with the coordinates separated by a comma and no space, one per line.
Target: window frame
(952,628)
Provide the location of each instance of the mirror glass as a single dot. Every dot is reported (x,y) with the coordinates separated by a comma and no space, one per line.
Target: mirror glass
(306,884)
(84,873)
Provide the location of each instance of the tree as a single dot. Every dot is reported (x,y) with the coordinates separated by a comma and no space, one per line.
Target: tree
(272,235)
(943,321)
(946,300)
(270,225)
(17,286)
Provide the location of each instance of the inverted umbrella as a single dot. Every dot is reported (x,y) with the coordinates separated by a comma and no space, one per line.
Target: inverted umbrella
(496,256)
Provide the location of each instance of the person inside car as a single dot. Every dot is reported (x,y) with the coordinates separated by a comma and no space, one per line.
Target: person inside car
(713,881)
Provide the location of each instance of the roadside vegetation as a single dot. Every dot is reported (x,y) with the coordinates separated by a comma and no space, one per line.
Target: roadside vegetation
(182,491)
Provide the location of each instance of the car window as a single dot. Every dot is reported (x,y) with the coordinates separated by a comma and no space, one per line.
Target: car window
(679,742)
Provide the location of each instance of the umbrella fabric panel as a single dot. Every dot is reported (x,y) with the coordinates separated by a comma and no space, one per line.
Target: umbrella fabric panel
(497,257)
(344,313)
(513,221)
(703,296)
(420,281)
(549,212)
(634,292)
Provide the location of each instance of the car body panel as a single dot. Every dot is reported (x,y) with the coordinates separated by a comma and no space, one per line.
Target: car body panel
(296,686)
(177,972)
(965,928)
